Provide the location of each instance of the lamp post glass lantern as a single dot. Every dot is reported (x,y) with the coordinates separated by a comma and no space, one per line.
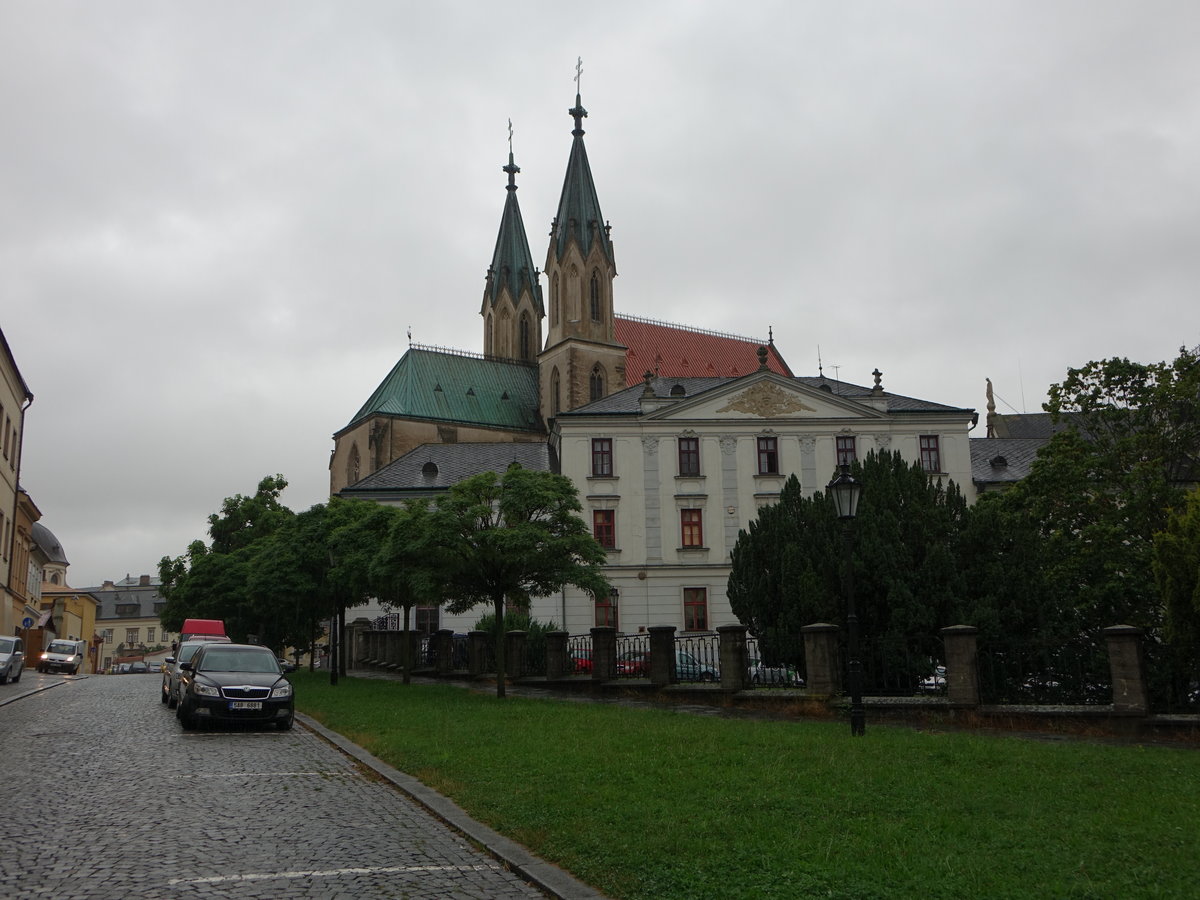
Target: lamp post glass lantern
(846,491)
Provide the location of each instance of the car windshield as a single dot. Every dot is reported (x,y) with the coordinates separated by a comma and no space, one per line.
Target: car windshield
(187,651)
(238,661)
(6,646)
(60,647)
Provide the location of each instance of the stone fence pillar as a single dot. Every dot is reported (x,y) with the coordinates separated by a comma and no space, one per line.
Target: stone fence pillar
(1128,666)
(476,652)
(604,653)
(962,665)
(662,654)
(443,642)
(514,652)
(733,656)
(823,674)
(358,631)
(556,654)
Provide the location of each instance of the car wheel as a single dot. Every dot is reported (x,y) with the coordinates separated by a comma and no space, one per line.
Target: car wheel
(186,719)
(4,678)
(17,677)
(172,701)
(285,724)
(162,694)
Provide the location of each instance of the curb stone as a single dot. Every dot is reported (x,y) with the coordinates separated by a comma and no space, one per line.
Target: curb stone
(543,875)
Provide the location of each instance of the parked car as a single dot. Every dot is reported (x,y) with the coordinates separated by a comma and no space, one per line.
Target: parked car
(234,683)
(12,659)
(688,668)
(758,672)
(138,667)
(933,683)
(634,664)
(170,676)
(63,656)
(581,661)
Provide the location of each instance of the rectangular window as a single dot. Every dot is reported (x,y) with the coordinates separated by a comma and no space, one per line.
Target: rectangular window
(689,456)
(427,619)
(602,461)
(149,635)
(695,609)
(131,635)
(606,609)
(931,458)
(604,527)
(846,450)
(691,527)
(768,456)
(108,635)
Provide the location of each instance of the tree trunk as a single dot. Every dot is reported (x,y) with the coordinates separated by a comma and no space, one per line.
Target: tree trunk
(498,603)
(406,648)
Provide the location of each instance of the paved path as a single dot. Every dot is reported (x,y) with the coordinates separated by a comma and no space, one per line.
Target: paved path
(115,800)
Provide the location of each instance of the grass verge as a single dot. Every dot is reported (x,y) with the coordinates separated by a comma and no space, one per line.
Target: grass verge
(653,803)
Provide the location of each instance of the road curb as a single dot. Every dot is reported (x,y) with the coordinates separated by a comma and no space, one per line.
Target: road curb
(30,692)
(549,878)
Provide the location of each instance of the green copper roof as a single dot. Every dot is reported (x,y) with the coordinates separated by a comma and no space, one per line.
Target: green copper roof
(512,263)
(465,390)
(579,208)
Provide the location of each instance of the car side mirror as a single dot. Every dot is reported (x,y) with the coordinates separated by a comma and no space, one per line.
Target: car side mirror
(186,667)
(288,667)
(170,660)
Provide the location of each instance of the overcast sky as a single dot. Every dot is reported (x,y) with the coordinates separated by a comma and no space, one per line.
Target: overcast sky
(218,220)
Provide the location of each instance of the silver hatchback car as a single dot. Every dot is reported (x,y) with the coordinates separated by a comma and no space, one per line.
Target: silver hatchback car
(12,659)
(170,673)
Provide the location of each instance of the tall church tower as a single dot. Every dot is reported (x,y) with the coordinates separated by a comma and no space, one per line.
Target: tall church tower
(512,297)
(582,360)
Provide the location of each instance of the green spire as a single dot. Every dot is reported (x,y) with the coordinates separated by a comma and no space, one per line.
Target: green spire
(512,263)
(579,213)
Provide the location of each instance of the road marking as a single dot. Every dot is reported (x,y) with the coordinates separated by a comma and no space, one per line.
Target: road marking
(264,774)
(333,873)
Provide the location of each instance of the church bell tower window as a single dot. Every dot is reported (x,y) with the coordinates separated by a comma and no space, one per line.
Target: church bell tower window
(594,296)
(596,383)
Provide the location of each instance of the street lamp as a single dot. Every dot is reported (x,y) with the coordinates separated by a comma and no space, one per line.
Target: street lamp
(846,491)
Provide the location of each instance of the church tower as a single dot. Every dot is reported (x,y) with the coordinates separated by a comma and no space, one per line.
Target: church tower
(582,360)
(512,297)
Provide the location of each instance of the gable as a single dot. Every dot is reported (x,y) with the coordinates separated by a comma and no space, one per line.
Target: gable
(767,396)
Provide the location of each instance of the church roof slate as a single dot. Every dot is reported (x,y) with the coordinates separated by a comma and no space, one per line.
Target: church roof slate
(460,388)
(679,351)
(627,401)
(435,467)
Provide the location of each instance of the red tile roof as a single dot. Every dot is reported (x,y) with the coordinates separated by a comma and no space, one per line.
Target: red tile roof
(680,352)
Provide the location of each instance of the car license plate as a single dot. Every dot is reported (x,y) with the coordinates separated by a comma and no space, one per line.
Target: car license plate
(245,704)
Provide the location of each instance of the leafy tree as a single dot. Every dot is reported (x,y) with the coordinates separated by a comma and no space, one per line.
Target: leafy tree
(505,539)
(1176,563)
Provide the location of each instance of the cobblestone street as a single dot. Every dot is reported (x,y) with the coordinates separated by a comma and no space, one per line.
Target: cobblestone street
(110,798)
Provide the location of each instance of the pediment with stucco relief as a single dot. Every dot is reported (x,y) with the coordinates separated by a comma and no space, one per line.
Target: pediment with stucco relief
(766,400)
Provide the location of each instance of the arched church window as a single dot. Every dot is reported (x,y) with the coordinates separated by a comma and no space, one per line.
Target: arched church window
(524,339)
(555,312)
(596,383)
(555,397)
(594,296)
(353,465)
(488,350)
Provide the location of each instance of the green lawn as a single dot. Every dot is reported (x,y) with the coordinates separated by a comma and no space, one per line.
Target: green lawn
(654,803)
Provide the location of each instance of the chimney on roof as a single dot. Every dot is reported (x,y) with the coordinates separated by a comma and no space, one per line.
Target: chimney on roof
(144,581)
(108,586)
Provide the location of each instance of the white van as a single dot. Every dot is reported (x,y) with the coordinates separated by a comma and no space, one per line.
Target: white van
(63,656)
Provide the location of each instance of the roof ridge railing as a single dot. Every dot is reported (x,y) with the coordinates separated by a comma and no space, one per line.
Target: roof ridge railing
(723,334)
(470,354)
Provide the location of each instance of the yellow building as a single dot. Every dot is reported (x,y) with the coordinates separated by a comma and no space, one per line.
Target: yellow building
(15,398)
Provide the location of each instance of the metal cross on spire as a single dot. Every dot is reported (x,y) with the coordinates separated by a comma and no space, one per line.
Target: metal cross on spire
(578,72)
(510,137)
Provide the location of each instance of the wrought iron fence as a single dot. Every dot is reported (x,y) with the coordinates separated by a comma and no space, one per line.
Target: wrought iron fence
(633,656)
(1022,672)
(775,661)
(579,655)
(697,658)
(900,668)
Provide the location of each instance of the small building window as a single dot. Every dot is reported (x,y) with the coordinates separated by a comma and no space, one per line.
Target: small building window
(695,609)
(768,456)
(846,450)
(689,456)
(596,383)
(594,297)
(604,528)
(524,340)
(555,394)
(931,457)
(150,635)
(691,527)
(602,459)
(131,635)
